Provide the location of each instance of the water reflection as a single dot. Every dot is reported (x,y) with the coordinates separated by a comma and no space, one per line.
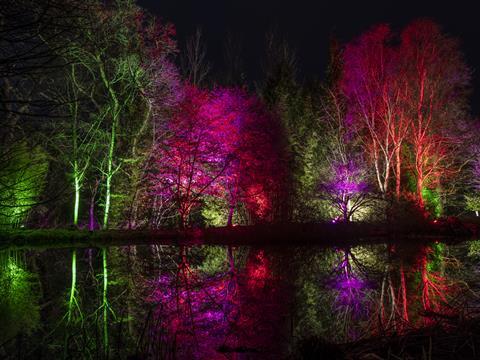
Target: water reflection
(215,302)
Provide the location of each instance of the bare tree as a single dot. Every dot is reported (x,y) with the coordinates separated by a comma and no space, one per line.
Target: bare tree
(194,60)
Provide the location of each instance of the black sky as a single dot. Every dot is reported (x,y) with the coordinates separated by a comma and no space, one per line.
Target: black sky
(309,26)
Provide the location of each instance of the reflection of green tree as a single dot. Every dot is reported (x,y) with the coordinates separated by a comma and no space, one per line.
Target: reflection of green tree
(19,310)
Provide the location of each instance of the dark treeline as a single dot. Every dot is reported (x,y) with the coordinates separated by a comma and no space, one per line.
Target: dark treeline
(107,122)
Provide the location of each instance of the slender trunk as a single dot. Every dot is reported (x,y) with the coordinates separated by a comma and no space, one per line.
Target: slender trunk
(91,223)
(419,190)
(115,112)
(109,175)
(386,179)
(377,168)
(76,170)
(476,212)
(132,222)
(76,180)
(397,172)
(231,211)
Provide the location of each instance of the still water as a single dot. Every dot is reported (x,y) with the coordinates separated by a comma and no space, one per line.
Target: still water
(223,302)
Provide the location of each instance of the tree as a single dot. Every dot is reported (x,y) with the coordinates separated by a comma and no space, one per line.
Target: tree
(249,134)
(189,159)
(194,62)
(435,79)
(119,47)
(370,83)
(347,190)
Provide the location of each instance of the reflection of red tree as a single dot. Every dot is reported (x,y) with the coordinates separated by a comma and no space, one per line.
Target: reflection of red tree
(434,289)
(414,305)
(407,94)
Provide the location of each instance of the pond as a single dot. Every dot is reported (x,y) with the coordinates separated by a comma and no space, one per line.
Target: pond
(245,302)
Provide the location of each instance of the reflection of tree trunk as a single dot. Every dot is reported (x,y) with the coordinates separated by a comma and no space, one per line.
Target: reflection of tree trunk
(91,223)
(105,303)
(403,293)
(73,286)
(72,301)
(132,256)
(381,313)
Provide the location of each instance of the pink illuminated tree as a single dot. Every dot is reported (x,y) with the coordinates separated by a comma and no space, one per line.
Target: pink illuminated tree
(189,160)
(220,143)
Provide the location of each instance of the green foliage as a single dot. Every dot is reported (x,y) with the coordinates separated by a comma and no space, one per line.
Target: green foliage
(215,211)
(474,249)
(19,310)
(433,201)
(22,179)
(472,202)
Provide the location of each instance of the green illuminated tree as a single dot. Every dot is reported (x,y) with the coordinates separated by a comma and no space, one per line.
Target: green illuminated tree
(22,179)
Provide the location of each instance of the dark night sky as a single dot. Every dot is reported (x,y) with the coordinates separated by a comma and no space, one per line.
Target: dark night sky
(308,26)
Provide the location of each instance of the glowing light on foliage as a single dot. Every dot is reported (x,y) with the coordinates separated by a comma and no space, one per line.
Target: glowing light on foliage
(219,144)
(22,179)
(347,191)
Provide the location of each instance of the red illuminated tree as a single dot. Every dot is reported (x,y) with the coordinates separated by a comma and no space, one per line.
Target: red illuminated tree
(406,102)
(434,80)
(370,84)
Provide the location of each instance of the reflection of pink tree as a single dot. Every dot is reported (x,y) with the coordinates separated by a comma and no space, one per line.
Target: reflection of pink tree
(347,190)
(220,143)
(198,316)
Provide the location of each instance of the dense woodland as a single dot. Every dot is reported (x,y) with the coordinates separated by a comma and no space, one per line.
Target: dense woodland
(108,122)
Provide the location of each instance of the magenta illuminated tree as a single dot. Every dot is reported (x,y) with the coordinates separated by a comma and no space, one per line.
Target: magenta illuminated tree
(249,136)
(189,160)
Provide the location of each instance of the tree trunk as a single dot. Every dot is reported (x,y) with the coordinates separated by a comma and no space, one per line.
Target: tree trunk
(115,113)
(419,189)
(398,175)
